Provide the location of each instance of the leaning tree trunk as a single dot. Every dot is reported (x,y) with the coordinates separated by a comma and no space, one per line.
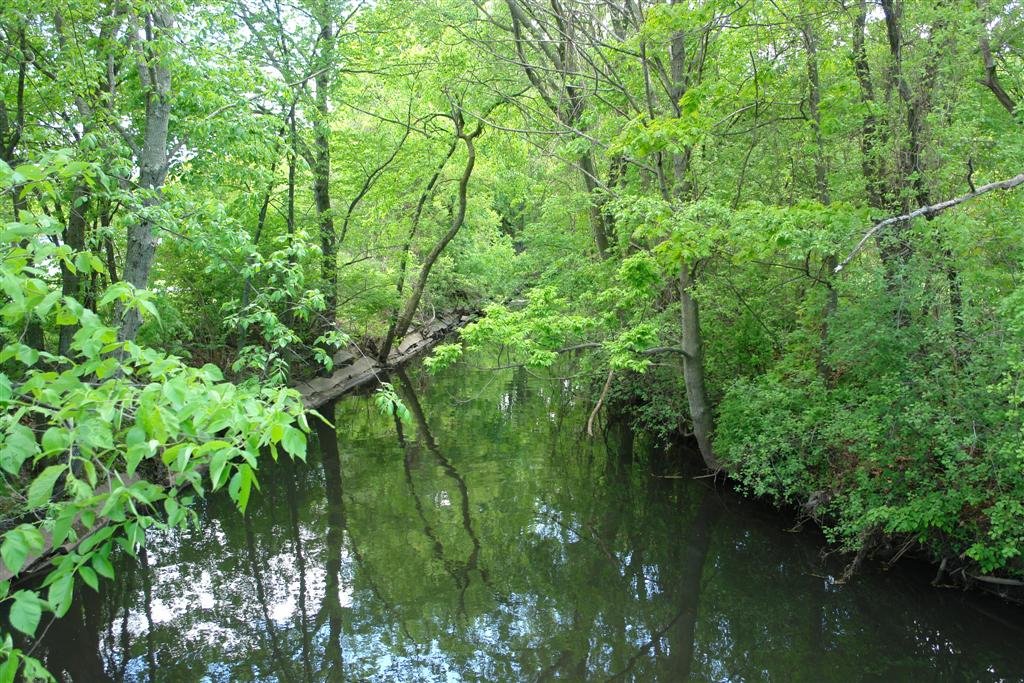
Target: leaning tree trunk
(991,80)
(403,262)
(690,557)
(409,310)
(693,369)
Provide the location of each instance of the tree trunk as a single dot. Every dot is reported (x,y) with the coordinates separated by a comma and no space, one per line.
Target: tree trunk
(871,162)
(597,221)
(692,339)
(911,171)
(10,137)
(691,556)
(153,163)
(328,255)
(322,185)
(331,610)
(409,310)
(821,184)
(403,263)
(693,370)
(562,94)
(74,237)
(293,155)
(991,80)
(261,220)
(33,326)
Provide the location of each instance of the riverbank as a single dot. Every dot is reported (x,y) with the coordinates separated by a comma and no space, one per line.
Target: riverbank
(886,551)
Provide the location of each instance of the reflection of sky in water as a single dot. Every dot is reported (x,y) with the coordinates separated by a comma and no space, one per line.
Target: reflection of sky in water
(559,564)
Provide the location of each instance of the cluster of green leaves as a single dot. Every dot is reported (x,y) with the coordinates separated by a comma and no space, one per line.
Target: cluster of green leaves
(390,403)
(533,333)
(272,310)
(114,438)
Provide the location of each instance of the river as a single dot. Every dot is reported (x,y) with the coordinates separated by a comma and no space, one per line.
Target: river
(488,538)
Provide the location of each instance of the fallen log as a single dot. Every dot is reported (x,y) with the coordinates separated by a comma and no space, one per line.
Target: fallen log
(319,390)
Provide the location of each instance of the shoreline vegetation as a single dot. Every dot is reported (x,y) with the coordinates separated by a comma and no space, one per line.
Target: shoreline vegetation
(789,231)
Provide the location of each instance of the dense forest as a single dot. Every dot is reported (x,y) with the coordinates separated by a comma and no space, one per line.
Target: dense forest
(786,230)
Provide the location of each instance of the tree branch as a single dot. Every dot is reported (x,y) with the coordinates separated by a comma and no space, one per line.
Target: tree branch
(600,402)
(929,211)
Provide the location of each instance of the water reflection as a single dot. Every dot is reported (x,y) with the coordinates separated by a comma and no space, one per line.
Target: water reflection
(488,539)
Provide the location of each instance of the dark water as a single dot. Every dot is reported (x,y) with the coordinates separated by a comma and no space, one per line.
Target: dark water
(488,539)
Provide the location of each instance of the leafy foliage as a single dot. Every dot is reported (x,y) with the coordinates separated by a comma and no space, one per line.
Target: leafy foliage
(113,439)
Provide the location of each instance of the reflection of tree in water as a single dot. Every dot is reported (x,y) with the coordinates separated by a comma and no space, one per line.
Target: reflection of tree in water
(83,658)
(269,639)
(460,571)
(331,610)
(636,598)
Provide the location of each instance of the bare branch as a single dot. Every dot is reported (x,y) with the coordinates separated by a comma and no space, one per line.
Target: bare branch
(929,211)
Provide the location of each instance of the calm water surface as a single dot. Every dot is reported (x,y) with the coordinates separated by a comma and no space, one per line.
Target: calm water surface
(488,539)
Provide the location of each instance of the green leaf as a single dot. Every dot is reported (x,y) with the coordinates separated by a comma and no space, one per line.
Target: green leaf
(9,669)
(217,463)
(95,539)
(19,447)
(25,612)
(235,486)
(18,544)
(182,459)
(89,576)
(94,434)
(34,670)
(152,419)
(31,172)
(60,594)
(56,439)
(212,373)
(119,290)
(148,306)
(41,490)
(175,392)
(27,355)
(14,551)
(83,262)
(245,486)
(294,441)
(62,526)
(102,566)
(135,454)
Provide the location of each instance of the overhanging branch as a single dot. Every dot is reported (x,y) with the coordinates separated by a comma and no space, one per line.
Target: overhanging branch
(930,210)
